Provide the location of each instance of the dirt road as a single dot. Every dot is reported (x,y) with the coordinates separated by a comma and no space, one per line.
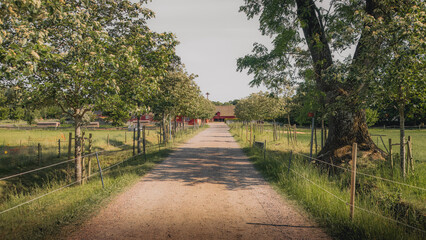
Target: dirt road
(207,189)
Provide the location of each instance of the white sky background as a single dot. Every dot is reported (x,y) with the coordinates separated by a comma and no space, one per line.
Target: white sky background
(212,35)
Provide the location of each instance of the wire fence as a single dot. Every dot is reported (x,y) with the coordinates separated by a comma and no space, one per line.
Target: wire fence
(347,202)
(70,184)
(310,181)
(97,153)
(361,173)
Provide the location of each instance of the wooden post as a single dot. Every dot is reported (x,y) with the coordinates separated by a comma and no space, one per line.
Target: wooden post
(83,165)
(246,132)
(100,170)
(288,135)
(390,153)
(295,134)
(312,139)
(108,140)
(322,133)
(59,148)
(125,137)
(39,154)
(289,162)
(134,137)
(315,140)
(89,160)
(250,133)
(264,151)
(410,153)
(69,146)
(144,141)
(353,179)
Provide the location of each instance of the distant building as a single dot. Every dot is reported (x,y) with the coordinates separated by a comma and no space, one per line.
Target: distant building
(224,112)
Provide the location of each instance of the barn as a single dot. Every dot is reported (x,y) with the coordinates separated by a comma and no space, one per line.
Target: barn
(224,112)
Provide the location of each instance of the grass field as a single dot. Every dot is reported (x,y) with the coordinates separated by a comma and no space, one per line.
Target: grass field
(325,194)
(49,216)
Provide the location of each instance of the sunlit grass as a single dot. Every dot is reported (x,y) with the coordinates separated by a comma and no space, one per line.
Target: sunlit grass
(327,201)
(45,218)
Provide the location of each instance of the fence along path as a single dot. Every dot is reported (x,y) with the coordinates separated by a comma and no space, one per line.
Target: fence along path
(347,202)
(67,185)
(206,189)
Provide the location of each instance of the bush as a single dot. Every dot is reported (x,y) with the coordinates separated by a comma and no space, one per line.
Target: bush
(372,116)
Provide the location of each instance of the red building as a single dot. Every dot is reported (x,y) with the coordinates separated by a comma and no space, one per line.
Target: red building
(224,112)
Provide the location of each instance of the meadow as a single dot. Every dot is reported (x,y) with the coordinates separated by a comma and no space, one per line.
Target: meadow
(325,191)
(46,217)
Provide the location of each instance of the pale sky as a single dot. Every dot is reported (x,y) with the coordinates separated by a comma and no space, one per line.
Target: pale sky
(212,35)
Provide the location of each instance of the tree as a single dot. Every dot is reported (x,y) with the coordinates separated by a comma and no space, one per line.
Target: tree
(75,61)
(174,96)
(344,84)
(402,62)
(259,106)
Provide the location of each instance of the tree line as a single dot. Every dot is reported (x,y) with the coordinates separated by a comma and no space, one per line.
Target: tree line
(89,55)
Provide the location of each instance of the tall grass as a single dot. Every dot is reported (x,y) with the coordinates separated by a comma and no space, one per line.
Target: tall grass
(47,216)
(324,194)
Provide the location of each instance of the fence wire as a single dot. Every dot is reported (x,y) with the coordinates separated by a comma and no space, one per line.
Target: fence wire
(361,173)
(347,203)
(68,185)
(55,164)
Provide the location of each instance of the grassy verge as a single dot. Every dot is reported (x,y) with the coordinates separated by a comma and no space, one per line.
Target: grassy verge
(324,194)
(44,218)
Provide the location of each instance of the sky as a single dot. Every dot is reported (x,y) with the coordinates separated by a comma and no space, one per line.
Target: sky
(212,35)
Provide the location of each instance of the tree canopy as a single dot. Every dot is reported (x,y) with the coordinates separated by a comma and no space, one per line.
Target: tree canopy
(308,35)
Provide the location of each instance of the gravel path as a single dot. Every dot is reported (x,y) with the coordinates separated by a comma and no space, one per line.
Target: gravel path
(207,189)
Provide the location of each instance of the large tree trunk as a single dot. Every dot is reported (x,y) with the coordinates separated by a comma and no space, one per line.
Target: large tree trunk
(347,124)
(346,128)
(77,150)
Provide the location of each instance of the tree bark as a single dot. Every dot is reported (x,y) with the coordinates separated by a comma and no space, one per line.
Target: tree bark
(165,140)
(77,150)
(347,125)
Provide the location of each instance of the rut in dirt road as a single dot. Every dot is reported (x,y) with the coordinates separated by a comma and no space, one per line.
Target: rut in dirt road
(207,189)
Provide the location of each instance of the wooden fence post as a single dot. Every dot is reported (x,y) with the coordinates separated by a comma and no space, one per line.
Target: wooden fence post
(353,179)
(295,134)
(39,154)
(134,137)
(390,153)
(409,158)
(125,137)
(250,133)
(264,151)
(83,165)
(100,170)
(144,141)
(410,151)
(89,160)
(289,162)
(59,148)
(69,146)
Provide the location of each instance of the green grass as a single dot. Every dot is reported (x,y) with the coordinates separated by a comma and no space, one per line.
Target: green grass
(18,153)
(393,201)
(46,217)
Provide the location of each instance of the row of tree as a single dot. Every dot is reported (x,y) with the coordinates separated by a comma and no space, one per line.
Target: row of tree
(93,55)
